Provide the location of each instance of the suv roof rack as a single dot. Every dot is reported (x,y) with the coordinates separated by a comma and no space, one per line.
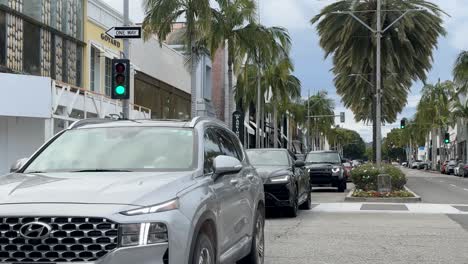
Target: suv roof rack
(199,119)
(90,121)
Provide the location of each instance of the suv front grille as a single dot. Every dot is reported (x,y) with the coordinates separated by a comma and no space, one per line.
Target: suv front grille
(71,239)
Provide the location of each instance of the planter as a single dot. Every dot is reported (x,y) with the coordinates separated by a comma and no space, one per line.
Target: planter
(415,199)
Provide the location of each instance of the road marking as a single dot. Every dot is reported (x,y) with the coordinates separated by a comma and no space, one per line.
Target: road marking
(442,181)
(465,189)
(414,208)
(453,185)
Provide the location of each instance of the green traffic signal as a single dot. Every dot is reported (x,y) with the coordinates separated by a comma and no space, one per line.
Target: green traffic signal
(120,90)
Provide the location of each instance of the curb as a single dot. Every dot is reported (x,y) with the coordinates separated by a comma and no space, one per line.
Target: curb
(415,199)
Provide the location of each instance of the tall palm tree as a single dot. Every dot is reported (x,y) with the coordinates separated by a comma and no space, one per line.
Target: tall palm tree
(460,72)
(320,105)
(283,87)
(433,111)
(162,14)
(231,26)
(407,49)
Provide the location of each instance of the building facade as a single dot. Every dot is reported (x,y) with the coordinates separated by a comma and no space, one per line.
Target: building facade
(43,38)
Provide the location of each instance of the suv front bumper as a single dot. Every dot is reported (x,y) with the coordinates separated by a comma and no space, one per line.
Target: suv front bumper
(278,194)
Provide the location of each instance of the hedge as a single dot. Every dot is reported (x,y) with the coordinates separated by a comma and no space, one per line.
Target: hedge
(365,177)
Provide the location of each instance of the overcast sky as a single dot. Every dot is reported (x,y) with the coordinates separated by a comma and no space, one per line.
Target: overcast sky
(314,71)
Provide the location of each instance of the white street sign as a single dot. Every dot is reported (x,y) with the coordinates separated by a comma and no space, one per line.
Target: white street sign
(124,32)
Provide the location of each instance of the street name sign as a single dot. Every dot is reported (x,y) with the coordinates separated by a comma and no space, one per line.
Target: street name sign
(124,32)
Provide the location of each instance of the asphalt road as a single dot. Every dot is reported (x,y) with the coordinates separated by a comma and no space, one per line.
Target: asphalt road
(377,237)
(438,188)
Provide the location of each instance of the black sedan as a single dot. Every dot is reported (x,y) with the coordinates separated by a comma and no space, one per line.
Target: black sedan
(286,182)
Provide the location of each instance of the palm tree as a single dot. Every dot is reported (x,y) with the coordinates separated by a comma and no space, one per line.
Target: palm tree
(162,14)
(231,25)
(283,87)
(407,49)
(433,111)
(320,105)
(460,72)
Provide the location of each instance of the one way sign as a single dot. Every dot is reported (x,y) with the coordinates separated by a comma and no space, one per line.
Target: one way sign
(124,32)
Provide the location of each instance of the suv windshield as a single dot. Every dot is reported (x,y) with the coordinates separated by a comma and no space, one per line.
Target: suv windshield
(323,157)
(268,158)
(118,148)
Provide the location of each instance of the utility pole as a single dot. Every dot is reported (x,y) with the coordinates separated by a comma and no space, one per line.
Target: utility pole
(126,51)
(308,123)
(378,35)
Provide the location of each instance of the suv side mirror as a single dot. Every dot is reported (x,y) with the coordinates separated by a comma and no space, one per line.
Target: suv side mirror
(299,164)
(18,164)
(225,165)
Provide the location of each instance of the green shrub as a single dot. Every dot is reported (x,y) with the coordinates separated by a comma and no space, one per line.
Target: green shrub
(365,177)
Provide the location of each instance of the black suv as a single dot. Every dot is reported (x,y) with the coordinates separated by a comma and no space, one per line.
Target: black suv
(285,182)
(326,169)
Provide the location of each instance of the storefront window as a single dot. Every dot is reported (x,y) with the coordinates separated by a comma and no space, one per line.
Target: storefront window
(31,50)
(92,69)
(108,77)
(3,27)
(64,61)
(79,65)
(32,8)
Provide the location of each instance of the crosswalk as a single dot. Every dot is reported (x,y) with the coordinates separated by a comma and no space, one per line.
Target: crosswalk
(408,208)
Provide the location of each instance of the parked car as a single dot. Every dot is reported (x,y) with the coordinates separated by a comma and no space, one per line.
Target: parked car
(404,164)
(423,165)
(451,166)
(104,190)
(326,169)
(347,170)
(286,183)
(464,171)
(457,171)
(415,164)
(443,167)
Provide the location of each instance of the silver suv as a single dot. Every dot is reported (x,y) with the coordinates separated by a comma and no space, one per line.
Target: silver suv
(111,192)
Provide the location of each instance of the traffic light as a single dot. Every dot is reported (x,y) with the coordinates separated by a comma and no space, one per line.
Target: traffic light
(403,123)
(342,117)
(447,138)
(120,79)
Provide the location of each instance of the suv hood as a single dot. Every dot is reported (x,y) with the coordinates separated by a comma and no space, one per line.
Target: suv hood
(322,165)
(267,171)
(127,188)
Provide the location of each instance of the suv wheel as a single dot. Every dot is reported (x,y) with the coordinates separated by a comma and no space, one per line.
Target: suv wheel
(204,252)
(257,251)
(294,208)
(307,205)
(342,186)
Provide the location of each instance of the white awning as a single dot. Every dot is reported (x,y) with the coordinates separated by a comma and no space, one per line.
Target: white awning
(250,130)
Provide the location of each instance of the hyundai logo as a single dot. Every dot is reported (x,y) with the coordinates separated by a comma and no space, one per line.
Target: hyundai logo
(35,230)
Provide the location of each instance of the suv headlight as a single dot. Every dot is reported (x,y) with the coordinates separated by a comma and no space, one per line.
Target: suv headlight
(336,169)
(158,208)
(143,234)
(280,179)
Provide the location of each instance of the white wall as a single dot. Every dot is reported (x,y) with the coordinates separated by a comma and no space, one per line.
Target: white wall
(20,137)
(25,95)
(162,63)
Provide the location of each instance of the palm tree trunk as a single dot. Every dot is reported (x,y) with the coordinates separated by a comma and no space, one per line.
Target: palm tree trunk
(434,147)
(193,80)
(228,101)
(275,126)
(257,112)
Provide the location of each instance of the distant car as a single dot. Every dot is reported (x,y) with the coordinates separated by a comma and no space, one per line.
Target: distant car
(285,181)
(464,171)
(326,169)
(347,170)
(451,166)
(404,164)
(423,165)
(415,164)
(457,171)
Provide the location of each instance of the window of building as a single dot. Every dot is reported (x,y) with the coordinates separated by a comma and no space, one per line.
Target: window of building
(33,9)
(31,48)
(79,65)
(64,61)
(3,27)
(52,56)
(108,76)
(92,69)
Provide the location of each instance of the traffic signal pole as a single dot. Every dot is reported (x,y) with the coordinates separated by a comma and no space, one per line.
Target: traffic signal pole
(126,54)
